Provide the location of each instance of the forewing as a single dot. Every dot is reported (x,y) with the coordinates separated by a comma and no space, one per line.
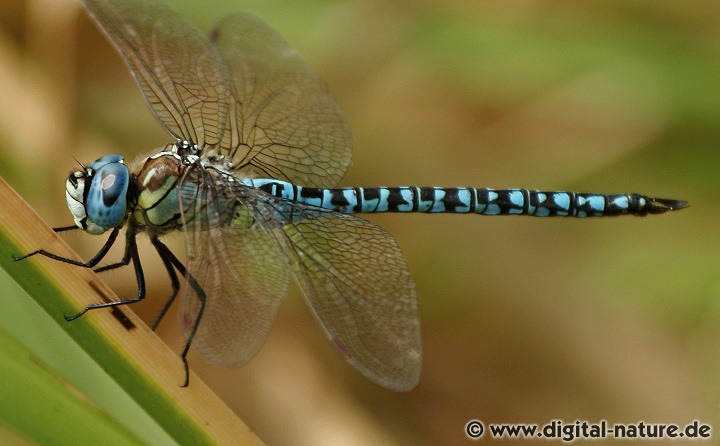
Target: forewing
(282,121)
(181,75)
(240,270)
(356,280)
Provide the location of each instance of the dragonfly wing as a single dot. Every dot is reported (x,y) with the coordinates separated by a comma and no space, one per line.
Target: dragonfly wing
(241,242)
(240,270)
(356,280)
(282,121)
(181,75)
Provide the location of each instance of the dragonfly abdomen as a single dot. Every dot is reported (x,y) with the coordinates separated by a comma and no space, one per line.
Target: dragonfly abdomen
(467,200)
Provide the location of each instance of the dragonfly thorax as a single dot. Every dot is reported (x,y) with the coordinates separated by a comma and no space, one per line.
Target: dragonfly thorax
(97,196)
(157,206)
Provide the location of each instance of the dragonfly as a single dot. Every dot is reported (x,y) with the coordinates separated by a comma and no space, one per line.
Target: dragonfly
(258,147)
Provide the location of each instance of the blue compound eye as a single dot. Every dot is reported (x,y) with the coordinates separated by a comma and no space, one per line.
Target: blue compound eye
(114,182)
(106,202)
(105,160)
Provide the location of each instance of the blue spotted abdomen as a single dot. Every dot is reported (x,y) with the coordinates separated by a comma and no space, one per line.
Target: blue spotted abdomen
(466,200)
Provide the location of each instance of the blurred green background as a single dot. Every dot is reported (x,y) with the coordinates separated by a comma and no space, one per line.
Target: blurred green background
(524,320)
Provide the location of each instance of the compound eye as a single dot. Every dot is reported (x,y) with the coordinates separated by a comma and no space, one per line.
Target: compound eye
(106,203)
(113,179)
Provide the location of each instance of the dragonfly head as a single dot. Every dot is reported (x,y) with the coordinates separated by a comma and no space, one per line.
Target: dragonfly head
(97,195)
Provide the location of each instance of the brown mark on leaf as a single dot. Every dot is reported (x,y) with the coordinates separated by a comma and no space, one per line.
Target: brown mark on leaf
(115,311)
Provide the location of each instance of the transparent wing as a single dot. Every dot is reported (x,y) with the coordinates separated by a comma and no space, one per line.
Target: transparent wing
(356,280)
(181,75)
(241,242)
(240,269)
(282,121)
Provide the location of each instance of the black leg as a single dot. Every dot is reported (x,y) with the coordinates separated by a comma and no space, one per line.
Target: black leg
(89,264)
(124,262)
(165,253)
(66,228)
(139,276)
(175,283)
(170,261)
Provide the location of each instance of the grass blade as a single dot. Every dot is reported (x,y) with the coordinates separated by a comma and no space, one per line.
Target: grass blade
(118,341)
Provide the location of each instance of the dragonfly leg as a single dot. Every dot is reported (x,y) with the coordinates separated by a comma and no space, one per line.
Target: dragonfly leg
(166,254)
(89,264)
(139,276)
(175,283)
(124,262)
(66,228)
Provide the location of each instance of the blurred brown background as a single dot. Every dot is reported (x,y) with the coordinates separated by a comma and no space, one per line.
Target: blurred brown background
(524,320)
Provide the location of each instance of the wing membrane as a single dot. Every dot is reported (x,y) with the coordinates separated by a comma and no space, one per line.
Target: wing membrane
(356,280)
(353,276)
(241,271)
(282,121)
(351,272)
(181,75)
